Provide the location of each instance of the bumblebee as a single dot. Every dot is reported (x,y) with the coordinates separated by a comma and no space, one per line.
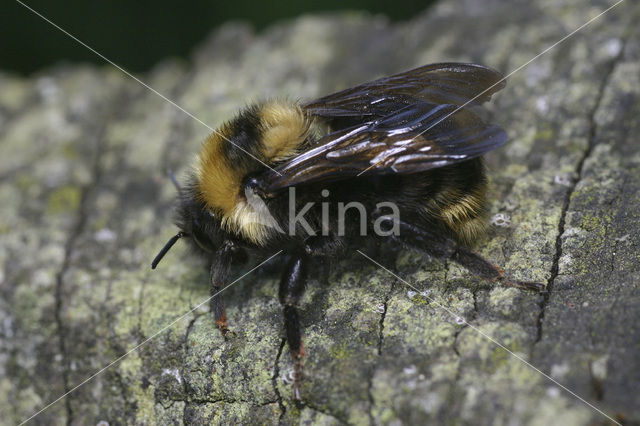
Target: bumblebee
(409,142)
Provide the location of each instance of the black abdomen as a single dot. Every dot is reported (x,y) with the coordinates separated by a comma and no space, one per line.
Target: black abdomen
(448,199)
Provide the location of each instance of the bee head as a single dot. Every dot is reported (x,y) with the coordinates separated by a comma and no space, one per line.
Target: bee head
(202,225)
(197,223)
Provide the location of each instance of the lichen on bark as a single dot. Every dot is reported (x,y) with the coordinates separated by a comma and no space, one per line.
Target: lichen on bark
(85,204)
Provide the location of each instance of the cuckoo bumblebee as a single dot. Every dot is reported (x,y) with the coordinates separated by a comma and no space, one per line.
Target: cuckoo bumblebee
(397,159)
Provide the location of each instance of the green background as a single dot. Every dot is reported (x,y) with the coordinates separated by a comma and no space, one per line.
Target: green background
(137,34)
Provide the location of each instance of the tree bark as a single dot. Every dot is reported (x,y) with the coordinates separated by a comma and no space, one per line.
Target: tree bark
(86,204)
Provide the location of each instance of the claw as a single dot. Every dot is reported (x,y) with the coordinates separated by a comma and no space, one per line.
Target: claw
(296,391)
(297,372)
(228,334)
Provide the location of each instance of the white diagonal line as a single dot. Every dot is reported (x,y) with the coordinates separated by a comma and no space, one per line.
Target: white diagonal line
(494,341)
(572,33)
(135,348)
(146,85)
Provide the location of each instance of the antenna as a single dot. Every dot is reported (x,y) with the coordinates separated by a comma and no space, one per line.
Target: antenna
(175,182)
(166,248)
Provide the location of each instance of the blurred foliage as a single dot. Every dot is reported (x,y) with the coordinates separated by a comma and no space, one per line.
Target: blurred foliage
(137,34)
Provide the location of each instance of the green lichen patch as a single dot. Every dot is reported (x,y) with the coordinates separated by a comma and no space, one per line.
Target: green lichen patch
(85,204)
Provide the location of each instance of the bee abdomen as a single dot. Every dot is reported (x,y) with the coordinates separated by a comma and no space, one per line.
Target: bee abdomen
(466,216)
(459,202)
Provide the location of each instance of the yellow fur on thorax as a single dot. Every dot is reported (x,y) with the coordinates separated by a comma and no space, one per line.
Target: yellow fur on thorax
(284,128)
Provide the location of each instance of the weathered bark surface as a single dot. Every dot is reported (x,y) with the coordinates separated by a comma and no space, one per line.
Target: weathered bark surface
(85,205)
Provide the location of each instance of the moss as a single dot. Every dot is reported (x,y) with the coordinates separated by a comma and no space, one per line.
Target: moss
(585,194)
(421,299)
(25,182)
(594,224)
(499,356)
(69,151)
(544,134)
(64,199)
(340,352)
(413,365)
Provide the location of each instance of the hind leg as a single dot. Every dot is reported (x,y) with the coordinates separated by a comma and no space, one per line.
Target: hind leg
(443,247)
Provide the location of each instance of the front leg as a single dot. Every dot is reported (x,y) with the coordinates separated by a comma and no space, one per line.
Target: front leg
(292,287)
(219,275)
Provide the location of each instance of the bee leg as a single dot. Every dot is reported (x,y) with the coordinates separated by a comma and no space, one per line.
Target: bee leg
(323,245)
(292,287)
(443,247)
(218,277)
(490,272)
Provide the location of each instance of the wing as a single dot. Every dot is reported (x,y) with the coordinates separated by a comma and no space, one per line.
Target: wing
(418,137)
(445,83)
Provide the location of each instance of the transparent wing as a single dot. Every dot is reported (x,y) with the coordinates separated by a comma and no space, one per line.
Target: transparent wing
(444,83)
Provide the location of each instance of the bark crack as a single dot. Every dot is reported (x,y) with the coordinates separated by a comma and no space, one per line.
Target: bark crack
(383,315)
(202,401)
(184,376)
(567,198)
(59,295)
(274,380)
